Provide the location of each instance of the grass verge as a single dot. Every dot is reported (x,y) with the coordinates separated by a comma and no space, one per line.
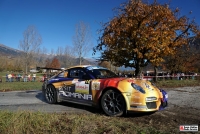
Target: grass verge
(44,123)
(177,83)
(16,86)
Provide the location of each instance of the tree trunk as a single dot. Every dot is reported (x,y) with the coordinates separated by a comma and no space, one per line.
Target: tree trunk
(138,71)
(155,73)
(80,61)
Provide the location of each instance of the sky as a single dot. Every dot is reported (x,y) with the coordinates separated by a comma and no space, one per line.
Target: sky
(56,20)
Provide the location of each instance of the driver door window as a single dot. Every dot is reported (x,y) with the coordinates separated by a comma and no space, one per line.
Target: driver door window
(78,74)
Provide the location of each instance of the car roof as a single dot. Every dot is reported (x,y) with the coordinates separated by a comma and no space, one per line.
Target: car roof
(81,66)
(85,66)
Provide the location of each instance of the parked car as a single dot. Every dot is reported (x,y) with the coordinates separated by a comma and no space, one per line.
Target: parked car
(32,70)
(100,87)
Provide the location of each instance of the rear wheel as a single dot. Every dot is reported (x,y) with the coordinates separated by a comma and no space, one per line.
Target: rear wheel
(112,103)
(51,94)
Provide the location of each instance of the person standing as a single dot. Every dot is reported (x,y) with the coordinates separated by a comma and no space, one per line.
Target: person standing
(34,77)
(19,77)
(7,80)
(9,77)
(29,77)
(25,77)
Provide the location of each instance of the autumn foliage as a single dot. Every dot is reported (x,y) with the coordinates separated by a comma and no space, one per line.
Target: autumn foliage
(53,64)
(143,33)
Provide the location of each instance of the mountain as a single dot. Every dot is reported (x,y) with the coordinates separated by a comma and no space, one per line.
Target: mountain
(11,53)
(8,51)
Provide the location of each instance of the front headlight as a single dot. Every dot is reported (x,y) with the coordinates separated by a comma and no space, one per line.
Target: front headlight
(138,88)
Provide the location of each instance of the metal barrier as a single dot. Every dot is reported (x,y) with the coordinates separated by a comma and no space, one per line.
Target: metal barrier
(171,77)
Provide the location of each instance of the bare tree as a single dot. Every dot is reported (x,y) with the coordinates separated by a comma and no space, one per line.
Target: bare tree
(42,57)
(30,45)
(69,56)
(82,40)
(60,51)
(60,55)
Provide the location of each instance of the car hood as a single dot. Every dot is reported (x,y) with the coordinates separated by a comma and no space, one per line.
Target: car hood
(125,84)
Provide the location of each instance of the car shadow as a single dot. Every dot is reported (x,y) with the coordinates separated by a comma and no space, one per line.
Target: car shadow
(138,114)
(40,96)
(90,109)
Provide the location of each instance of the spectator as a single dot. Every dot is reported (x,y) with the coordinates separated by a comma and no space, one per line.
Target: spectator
(7,80)
(182,76)
(19,77)
(142,75)
(168,75)
(29,77)
(9,77)
(25,77)
(12,78)
(178,76)
(34,77)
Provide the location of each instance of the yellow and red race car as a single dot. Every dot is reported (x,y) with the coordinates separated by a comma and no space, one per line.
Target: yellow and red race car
(100,87)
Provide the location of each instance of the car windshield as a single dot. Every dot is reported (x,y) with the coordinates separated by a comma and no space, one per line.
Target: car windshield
(102,73)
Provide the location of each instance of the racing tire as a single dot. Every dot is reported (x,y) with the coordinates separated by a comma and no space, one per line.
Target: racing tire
(113,103)
(50,94)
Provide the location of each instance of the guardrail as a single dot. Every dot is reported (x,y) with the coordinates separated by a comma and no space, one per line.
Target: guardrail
(171,77)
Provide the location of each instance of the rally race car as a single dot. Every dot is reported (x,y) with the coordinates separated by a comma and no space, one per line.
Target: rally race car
(100,87)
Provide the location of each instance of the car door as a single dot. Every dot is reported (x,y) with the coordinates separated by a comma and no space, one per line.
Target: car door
(80,89)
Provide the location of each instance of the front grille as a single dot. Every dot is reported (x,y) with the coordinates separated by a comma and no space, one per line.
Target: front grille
(151,105)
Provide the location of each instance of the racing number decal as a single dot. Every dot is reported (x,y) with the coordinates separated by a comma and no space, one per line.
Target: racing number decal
(87,81)
(95,85)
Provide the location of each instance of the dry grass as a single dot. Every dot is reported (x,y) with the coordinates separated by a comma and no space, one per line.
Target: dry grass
(54,123)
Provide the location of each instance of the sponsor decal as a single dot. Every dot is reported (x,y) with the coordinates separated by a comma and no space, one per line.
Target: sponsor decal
(67,88)
(87,81)
(76,95)
(95,85)
(81,87)
(131,80)
(188,128)
(148,87)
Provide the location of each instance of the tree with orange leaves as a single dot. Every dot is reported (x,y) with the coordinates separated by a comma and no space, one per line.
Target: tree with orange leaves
(55,63)
(143,33)
(187,59)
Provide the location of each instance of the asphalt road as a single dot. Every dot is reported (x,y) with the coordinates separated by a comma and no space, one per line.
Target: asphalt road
(33,100)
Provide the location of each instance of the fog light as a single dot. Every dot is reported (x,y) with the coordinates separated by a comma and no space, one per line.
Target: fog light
(166,96)
(151,98)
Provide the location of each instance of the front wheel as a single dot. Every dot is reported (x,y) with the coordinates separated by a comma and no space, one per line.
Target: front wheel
(50,94)
(112,103)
